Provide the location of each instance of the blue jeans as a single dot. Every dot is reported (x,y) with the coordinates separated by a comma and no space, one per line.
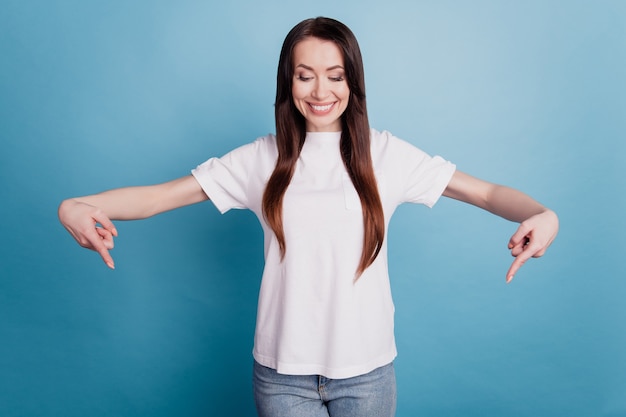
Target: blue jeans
(277,395)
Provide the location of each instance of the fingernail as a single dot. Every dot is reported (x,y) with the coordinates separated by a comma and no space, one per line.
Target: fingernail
(111,265)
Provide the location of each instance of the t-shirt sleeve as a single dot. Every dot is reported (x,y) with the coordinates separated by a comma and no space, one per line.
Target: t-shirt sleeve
(428,180)
(421,178)
(234,180)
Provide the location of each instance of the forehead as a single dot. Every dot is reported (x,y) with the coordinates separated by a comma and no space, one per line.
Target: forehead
(315,52)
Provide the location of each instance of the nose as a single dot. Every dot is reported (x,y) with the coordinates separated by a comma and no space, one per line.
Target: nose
(320,91)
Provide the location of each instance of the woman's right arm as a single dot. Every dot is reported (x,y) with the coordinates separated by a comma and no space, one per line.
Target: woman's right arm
(82,215)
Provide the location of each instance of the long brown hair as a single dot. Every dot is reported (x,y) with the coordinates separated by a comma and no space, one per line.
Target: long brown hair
(355,136)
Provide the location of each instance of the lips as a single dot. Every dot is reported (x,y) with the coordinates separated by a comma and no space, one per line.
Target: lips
(321,108)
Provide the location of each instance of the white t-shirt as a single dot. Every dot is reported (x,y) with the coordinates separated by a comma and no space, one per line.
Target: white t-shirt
(313,317)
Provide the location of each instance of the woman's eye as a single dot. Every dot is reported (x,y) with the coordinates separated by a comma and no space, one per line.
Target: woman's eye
(303,78)
(336,79)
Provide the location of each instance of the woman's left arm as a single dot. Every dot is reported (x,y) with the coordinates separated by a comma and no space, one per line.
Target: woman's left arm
(538,224)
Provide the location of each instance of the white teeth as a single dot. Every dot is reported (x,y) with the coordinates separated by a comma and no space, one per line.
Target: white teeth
(321,108)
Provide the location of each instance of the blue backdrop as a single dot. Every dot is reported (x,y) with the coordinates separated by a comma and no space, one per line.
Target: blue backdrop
(97,95)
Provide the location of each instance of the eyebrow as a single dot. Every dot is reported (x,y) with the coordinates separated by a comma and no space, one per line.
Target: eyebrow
(306,67)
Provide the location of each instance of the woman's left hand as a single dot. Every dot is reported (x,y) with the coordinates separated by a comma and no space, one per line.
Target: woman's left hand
(532,238)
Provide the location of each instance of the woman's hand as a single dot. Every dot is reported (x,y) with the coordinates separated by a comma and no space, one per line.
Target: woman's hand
(88,218)
(538,225)
(532,238)
(90,227)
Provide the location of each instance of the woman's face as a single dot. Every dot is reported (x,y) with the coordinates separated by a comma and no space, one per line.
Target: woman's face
(320,91)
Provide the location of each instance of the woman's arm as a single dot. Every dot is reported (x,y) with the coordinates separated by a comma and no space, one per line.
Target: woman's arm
(538,225)
(81,215)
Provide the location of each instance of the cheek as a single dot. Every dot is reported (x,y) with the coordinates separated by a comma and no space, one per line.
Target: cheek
(296,97)
(297,91)
(345,92)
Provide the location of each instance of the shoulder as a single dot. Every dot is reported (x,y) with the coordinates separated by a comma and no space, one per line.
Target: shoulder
(259,154)
(268,140)
(392,153)
(262,147)
(263,143)
(384,142)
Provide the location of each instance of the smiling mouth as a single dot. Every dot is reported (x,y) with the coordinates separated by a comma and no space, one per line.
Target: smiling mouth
(321,109)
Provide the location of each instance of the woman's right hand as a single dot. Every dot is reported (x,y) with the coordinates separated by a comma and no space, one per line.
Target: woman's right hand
(90,227)
(88,218)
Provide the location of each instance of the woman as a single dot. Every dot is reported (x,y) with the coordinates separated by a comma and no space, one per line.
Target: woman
(324,189)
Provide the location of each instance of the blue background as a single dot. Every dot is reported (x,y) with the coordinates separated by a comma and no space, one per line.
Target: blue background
(97,95)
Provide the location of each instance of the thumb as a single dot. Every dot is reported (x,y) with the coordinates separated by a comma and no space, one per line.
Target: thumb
(105,222)
(519,237)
